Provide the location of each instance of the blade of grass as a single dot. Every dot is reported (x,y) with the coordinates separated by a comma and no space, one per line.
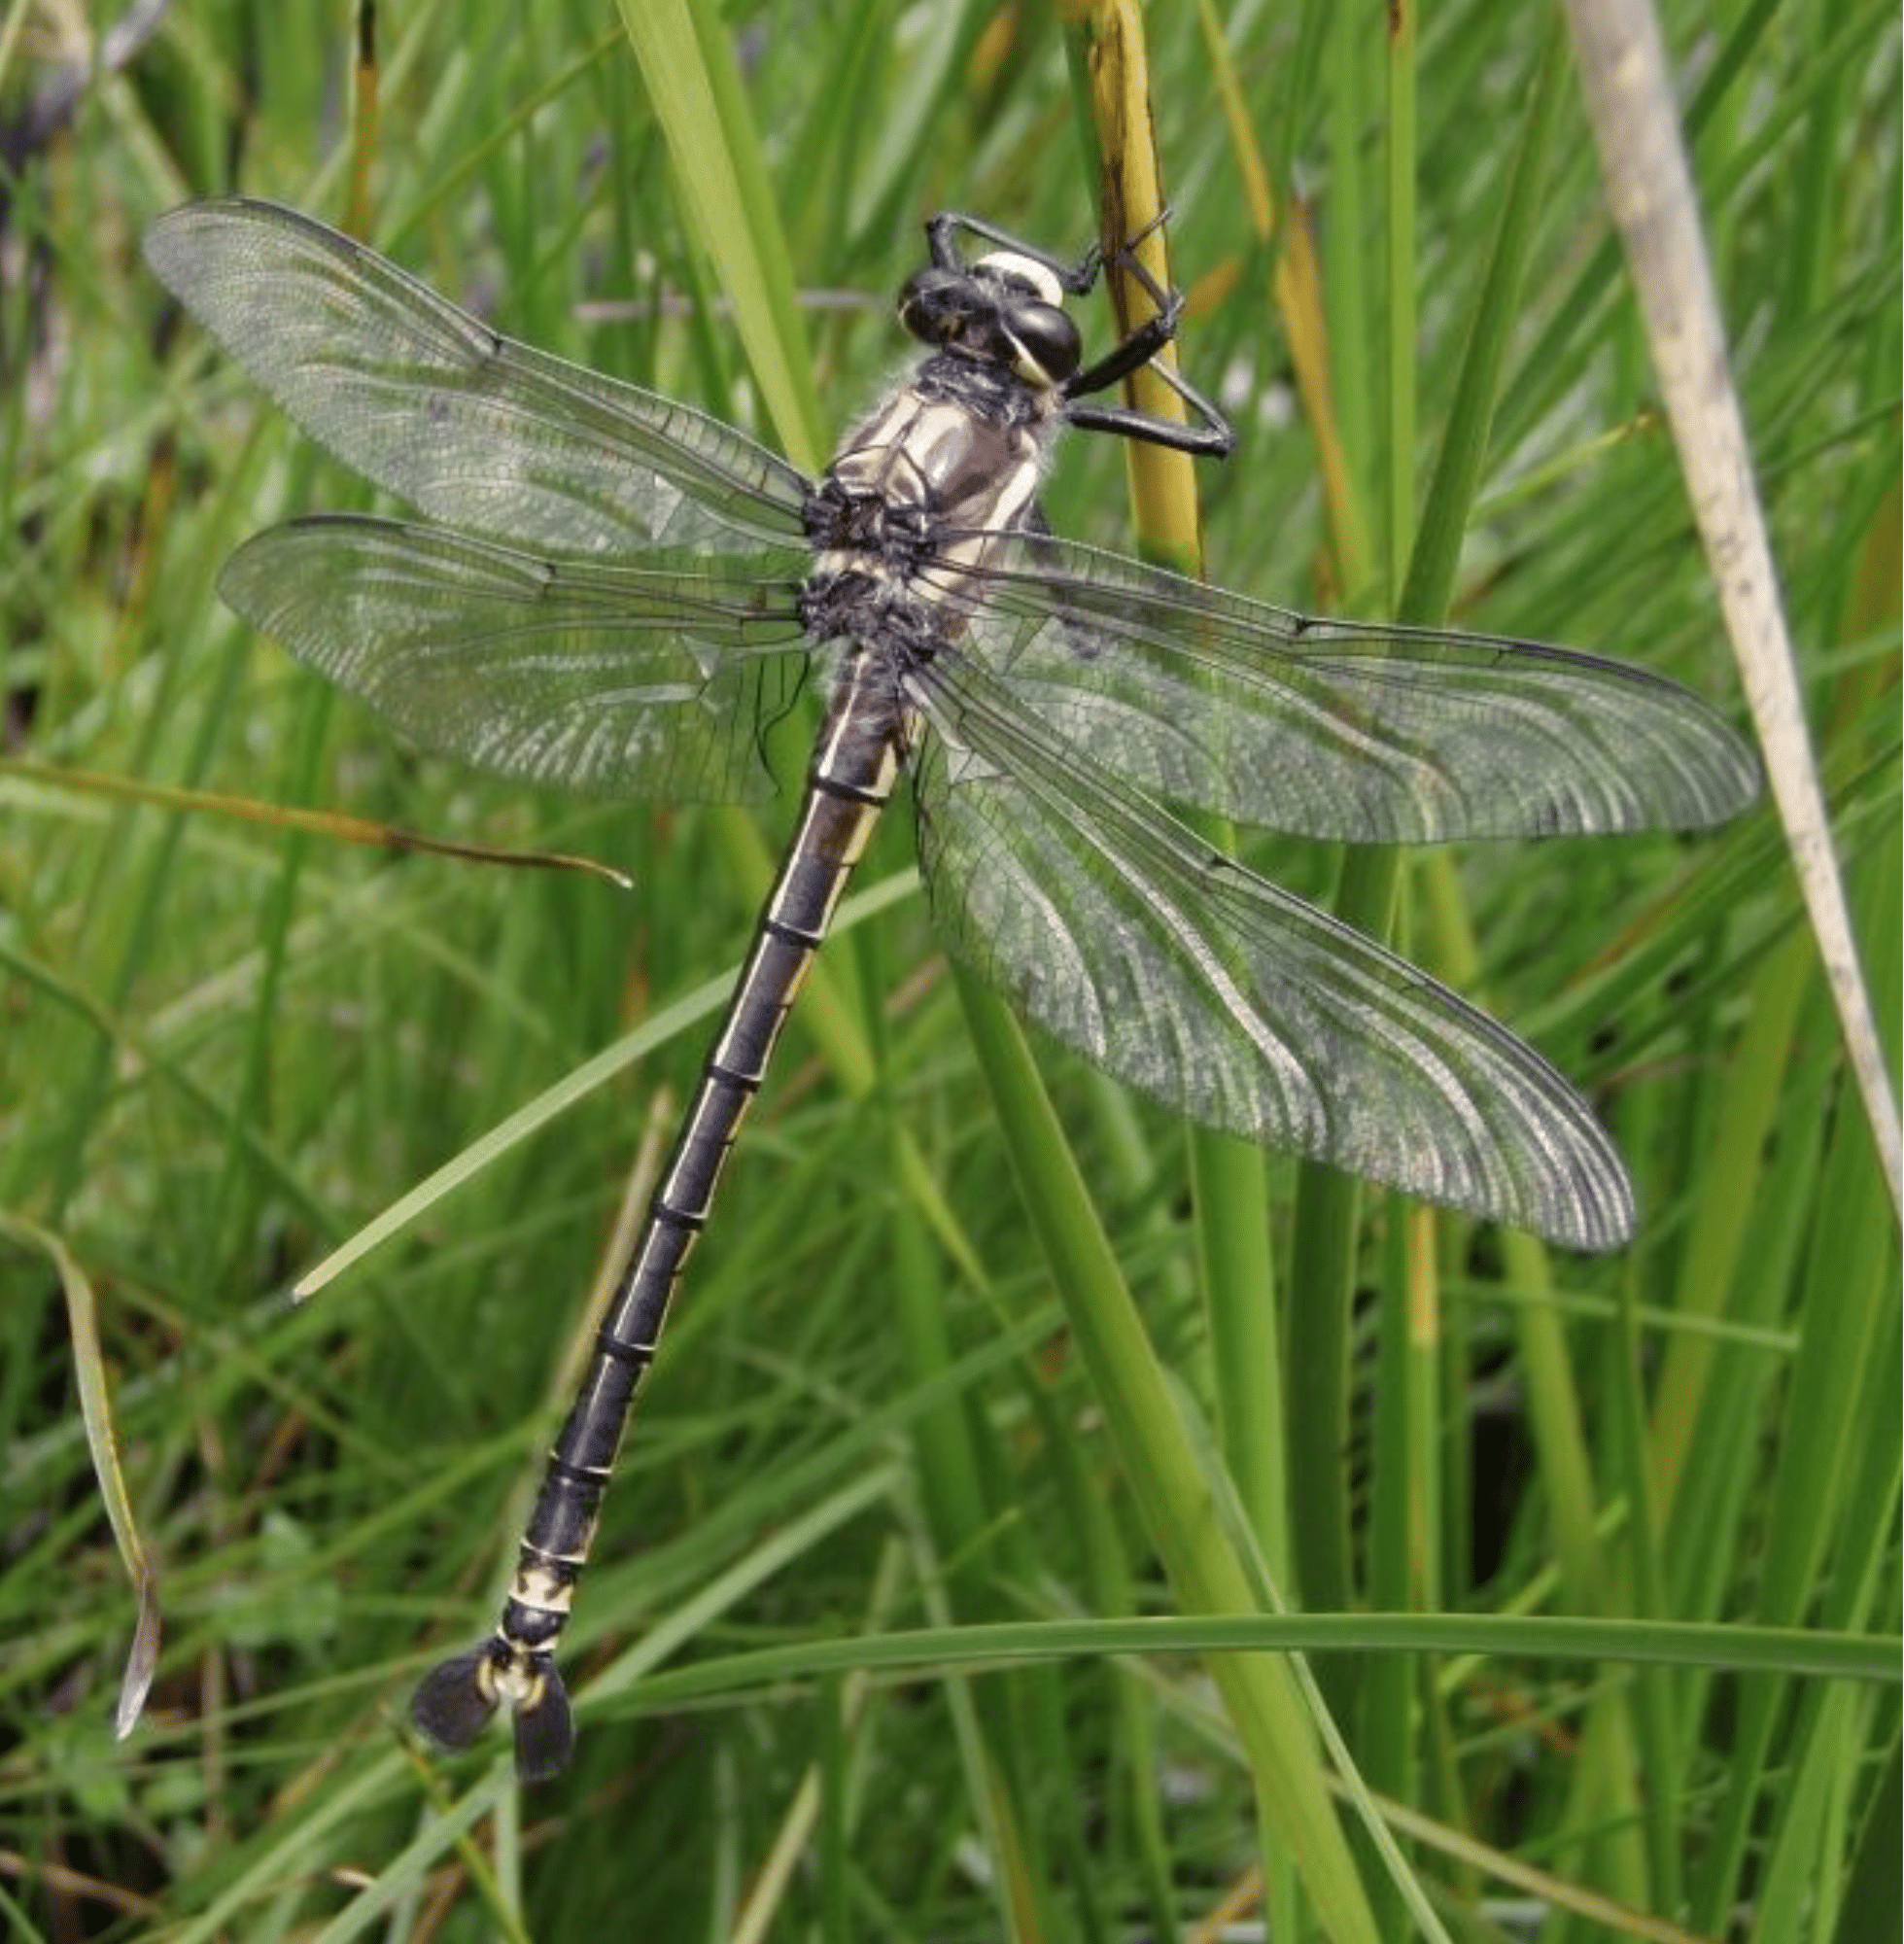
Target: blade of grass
(1649,189)
(103,1444)
(1229,1178)
(688,66)
(1262,1699)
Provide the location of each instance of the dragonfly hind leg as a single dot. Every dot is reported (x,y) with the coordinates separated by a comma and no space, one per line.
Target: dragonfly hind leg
(455,1700)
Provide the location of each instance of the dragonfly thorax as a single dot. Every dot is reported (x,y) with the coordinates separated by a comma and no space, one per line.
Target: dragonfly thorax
(928,484)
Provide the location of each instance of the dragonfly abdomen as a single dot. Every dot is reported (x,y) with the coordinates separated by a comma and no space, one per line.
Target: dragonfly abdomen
(850,783)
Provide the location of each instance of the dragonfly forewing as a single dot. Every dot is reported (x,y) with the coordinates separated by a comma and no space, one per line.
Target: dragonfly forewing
(467,425)
(1339,729)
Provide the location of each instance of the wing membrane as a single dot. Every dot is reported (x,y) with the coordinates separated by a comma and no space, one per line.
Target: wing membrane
(467,426)
(1183,974)
(1337,729)
(644,681)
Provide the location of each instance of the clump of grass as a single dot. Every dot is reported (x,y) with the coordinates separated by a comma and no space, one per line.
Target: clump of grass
(856,1656)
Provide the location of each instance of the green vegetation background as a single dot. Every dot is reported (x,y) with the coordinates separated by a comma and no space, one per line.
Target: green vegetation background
(846,1659)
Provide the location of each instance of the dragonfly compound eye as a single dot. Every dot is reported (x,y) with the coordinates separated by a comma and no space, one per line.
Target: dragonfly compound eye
(934,303)
(1045,343)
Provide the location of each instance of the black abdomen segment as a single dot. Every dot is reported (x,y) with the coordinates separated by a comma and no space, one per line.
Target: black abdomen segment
(849,785)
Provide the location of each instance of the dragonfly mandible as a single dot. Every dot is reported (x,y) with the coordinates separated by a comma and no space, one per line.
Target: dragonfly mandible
(612,591)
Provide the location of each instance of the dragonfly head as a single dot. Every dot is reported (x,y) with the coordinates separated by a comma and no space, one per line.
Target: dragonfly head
(1006,309)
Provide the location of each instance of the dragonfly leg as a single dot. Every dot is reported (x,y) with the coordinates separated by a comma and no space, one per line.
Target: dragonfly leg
(940,231)
(1210,439)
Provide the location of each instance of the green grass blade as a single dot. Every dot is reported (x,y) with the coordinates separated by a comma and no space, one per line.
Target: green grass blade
(1164,1476)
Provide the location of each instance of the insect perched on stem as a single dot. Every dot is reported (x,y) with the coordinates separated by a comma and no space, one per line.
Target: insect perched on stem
(612,591)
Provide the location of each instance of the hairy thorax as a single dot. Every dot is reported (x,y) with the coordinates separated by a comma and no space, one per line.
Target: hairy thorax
(921,489)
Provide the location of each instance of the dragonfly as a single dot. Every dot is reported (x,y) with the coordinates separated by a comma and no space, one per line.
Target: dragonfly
(609,590)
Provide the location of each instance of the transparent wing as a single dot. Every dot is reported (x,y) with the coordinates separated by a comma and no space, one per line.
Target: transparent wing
(592,676)
(1337,729)
(1171,967)
(468,427)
